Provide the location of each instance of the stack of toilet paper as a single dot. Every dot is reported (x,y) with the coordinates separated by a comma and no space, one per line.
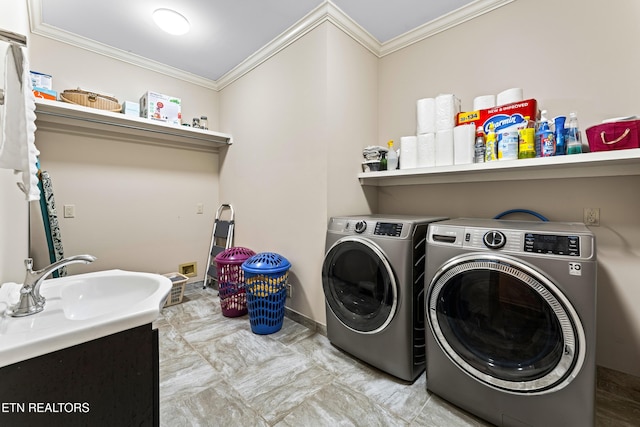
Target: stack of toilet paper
(436,118)
(508,96)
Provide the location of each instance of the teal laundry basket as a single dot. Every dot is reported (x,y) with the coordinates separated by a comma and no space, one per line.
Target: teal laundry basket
(265,276)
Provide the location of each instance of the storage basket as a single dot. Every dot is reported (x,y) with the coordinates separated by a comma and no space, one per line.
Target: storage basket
(91,99)
(179,282)
(231,284)
(266,277)
(620,135)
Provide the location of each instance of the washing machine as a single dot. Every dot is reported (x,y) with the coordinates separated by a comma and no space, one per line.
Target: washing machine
(511,314)
(373,281)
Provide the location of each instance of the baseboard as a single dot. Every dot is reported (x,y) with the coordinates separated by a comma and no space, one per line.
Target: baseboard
(289,313)
(305,321)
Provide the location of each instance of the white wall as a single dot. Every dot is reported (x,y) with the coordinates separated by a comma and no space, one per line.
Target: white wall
(14,225)
(570,56)
(299,123)
(135,203)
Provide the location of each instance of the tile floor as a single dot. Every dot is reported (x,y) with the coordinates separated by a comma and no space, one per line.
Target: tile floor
(215,372)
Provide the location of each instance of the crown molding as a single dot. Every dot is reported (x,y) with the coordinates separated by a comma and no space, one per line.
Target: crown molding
(325,12)
(450,20)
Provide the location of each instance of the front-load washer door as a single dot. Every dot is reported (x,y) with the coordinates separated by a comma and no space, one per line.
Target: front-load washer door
(359,285)
(505,324)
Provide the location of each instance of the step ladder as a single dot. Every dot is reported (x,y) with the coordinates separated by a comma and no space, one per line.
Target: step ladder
(221,239)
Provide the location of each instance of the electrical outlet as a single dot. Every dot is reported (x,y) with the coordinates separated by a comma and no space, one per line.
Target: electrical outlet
(200,208)
(289,288)
(69,211)
(592,216)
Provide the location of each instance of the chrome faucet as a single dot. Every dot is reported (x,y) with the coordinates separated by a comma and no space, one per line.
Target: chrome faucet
(31,302)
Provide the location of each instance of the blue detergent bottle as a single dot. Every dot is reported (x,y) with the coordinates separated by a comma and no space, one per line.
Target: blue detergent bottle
(545,138)
(561,146)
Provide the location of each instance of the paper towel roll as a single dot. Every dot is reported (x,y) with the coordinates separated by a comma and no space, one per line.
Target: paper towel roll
(426,115)
(447,106)
(444,147)
(463,144)
(427,150)
(484,102)
(408,152)
(510,95)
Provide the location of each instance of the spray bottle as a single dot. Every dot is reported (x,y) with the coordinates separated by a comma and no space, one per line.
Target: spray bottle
(392,157)
(572,135)
(561,146)
(545,139)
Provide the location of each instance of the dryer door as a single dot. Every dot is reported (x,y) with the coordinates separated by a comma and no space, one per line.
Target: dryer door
(359,285)
(505,324)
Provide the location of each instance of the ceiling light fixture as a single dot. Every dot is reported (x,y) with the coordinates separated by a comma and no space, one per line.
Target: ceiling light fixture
(171,21)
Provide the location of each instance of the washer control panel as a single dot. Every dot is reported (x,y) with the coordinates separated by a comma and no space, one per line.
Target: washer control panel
(552,244)
(541,242)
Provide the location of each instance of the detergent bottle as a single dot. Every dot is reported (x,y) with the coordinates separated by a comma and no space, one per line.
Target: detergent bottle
(392,157)
(491,145)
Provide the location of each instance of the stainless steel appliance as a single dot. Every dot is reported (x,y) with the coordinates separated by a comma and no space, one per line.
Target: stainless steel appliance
(373,280)
(511,310)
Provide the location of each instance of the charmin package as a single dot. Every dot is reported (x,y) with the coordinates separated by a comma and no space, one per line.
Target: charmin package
(161,107)
(505,118)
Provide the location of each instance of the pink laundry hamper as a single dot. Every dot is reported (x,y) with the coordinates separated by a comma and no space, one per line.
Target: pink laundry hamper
(231,284)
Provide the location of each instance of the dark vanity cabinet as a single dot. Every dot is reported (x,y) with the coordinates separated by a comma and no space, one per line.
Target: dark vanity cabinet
(110,381)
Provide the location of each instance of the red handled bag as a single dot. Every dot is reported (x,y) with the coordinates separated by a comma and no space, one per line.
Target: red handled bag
(614,136)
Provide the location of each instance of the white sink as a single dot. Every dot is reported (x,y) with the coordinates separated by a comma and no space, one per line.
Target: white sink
(80,308)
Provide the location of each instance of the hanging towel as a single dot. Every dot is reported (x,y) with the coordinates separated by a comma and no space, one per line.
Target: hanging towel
(17,119)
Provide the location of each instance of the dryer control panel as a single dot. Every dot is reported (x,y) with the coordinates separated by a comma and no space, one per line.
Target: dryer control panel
(393,229)
(367,227)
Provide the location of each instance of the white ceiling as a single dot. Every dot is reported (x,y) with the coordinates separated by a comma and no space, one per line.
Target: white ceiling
(223,32)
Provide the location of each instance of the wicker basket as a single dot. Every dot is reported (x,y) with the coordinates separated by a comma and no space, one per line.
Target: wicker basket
(178,283)
(91,99)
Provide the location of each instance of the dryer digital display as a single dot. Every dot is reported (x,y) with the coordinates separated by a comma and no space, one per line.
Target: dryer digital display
(388,229)
(552,244)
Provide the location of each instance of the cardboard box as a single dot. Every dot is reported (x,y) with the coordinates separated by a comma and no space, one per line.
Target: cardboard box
(43,93)
(41,80)
(505,118)
(157,106)
(131,108)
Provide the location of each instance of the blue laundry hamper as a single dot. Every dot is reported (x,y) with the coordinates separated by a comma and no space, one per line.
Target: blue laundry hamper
(265,276)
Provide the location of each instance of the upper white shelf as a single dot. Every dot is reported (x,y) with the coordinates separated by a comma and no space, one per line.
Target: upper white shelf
(71,118)
(603,163)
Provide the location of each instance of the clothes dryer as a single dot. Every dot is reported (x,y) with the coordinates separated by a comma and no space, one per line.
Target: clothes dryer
(373,281)
(511,313)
